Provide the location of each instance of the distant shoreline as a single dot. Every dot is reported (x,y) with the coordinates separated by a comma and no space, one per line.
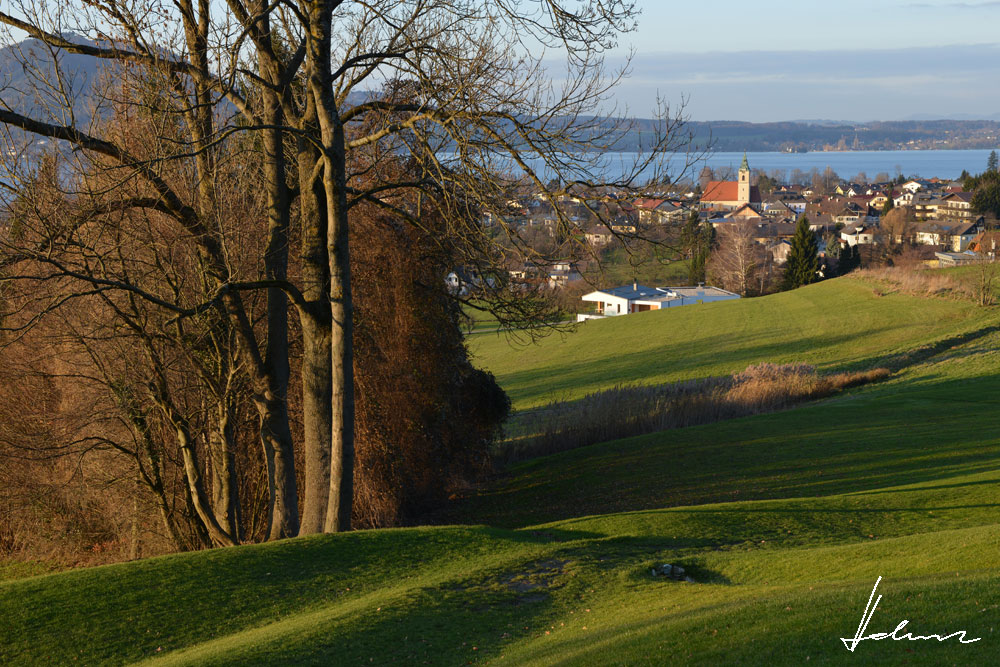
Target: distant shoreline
(923,163)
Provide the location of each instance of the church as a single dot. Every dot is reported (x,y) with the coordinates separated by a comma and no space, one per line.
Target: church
(731,195)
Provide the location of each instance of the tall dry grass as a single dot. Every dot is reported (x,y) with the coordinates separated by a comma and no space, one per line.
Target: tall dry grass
(626,411)
(916,281)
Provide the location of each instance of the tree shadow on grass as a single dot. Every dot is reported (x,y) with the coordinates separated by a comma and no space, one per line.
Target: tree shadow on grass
(627,367)
(912,431)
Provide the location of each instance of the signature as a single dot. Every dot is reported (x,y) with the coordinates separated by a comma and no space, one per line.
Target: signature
(860,636)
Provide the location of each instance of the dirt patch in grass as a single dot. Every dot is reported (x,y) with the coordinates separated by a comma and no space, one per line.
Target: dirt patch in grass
(540,575)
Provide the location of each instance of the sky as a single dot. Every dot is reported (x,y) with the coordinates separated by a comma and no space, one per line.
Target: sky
(769,60)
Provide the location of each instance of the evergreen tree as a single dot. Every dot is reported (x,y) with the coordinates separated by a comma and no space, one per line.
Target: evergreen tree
(706,239)
(850,259)
(697,240)
(992,162)
(689,234)
(803,259)
(986,199)
(888,204)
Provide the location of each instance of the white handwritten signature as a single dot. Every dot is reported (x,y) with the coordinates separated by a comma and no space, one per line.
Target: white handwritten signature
(859,636)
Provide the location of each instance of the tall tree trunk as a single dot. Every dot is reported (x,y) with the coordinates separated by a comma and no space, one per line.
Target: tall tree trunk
(340,505)
(275,431)
(196,486)
(341,502)
(315,322)
(225,492)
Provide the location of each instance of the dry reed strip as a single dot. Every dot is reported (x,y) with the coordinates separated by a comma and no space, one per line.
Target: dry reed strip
(626,411)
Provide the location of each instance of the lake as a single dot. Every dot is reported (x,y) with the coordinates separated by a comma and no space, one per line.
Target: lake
(947,164)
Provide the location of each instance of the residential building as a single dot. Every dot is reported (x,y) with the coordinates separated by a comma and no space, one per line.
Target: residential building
(858,235)
(659,211)
(956,206)
(637,298)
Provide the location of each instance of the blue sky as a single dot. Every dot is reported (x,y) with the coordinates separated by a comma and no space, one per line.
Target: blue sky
(765,60)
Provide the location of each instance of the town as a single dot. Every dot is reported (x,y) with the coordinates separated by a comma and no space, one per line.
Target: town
(859,222)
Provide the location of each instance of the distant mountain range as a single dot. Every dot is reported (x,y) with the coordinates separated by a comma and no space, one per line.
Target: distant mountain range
(29,85)
(24,66)
(801,136)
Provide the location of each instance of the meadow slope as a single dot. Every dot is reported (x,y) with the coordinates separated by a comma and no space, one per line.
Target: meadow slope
(784,522)
(834,325)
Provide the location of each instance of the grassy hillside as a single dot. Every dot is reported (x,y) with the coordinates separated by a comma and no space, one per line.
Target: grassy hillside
(933,421)
(784,579)
(835,324)
(784,521)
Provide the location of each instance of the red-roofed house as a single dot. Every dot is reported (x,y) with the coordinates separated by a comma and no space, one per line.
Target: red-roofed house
(658,211)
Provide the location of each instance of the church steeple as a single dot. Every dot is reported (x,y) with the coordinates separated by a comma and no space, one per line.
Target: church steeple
(743,188)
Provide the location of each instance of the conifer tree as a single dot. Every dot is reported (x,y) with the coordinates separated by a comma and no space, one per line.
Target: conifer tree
(850,259)
(803,259)
(698,239)
(888,204)
(992,162)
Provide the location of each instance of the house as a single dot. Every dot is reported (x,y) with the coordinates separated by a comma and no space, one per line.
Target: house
(779,251)
(554,274)
(623,226)
(986,243)
(956,258)
(915,186)
(850,214)
(768,232)
(562,272)
(637,298)
(926,209)
(858,235)
(658,211)
(744,213)
(598,236)
(460,281)
(955,236)
(851,189)
(731,195)
(797,205)
(878,200)
(955,206)
(777,207)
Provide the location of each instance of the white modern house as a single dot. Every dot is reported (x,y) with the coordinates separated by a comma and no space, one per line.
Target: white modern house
(636,298)
(858,235)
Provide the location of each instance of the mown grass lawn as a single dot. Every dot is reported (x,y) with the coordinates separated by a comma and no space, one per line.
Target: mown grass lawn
(782,580)
(836,324)
(932,422)
(784,521)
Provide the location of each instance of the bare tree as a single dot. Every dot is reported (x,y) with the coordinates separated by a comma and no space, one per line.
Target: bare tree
(986,275)
(898,225)
(738,260)
(391,104)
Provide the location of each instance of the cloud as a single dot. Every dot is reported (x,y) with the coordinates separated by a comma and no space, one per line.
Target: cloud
(993,4)
(859,84)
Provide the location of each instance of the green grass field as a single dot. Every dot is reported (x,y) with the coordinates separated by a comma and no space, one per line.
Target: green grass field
(784,521)
(837,324)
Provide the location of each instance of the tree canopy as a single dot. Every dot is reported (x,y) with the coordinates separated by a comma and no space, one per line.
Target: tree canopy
(424,110)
